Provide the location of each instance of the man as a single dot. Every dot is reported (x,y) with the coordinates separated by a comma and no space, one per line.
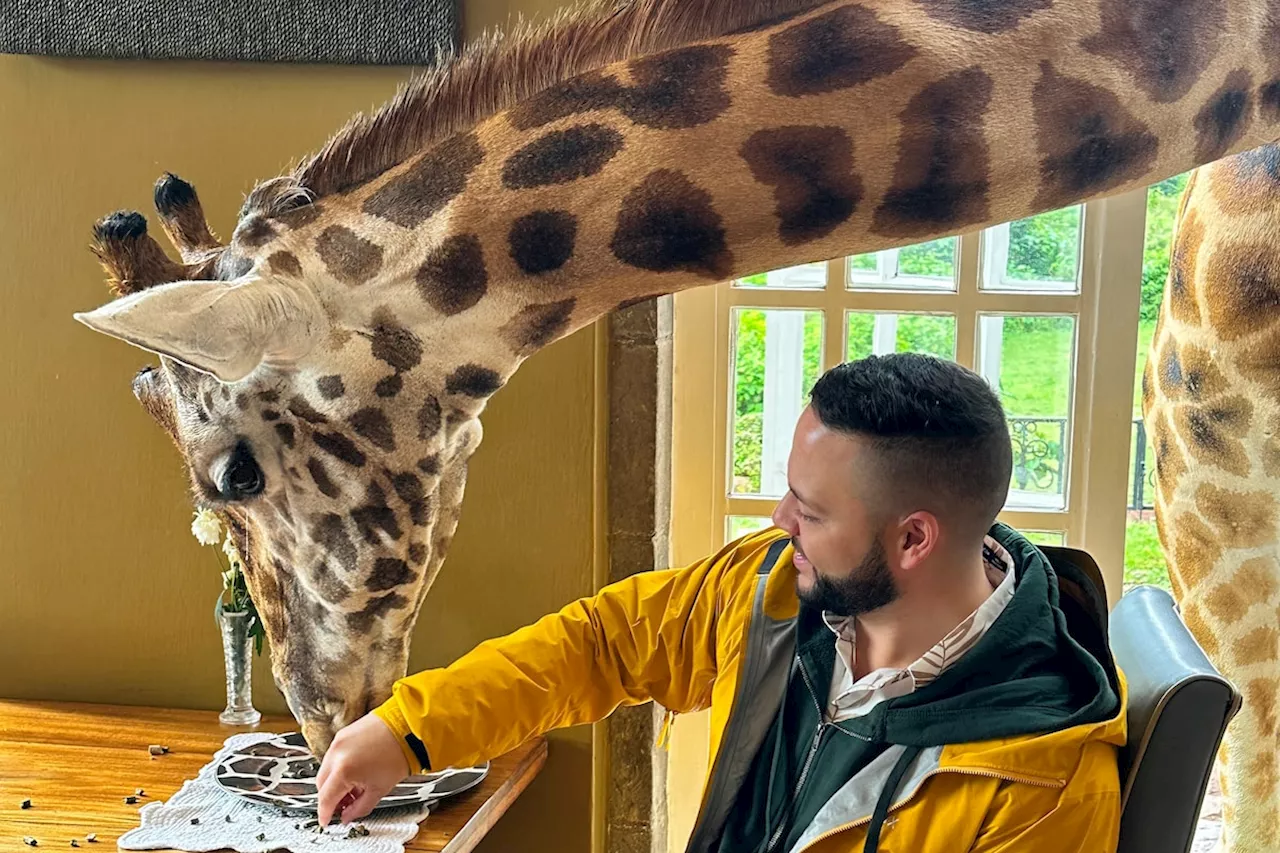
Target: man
(887,664)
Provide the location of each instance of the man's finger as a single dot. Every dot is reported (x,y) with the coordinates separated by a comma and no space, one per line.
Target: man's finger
(332,792)
(322,775)
(362,806)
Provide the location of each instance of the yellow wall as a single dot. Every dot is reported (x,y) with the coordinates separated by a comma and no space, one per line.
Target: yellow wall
(104,594)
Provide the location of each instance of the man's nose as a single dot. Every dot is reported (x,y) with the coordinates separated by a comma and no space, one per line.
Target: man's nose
(784,516)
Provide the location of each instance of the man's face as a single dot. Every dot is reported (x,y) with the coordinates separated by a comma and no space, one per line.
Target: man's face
(840,557)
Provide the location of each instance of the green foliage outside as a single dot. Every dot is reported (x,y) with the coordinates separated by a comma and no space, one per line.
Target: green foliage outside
(1036,354)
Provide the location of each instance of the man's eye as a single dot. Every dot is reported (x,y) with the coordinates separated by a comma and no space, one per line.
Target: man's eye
(812,519)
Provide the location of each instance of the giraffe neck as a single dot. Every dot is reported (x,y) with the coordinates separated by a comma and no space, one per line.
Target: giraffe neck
(843,130)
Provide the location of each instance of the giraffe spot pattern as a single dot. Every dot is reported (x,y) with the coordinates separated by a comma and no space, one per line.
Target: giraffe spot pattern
(1260,695)
(301,216)
(1257,646)
(1088,141)
(472,380)
(270,415)
(676,89)
(983,16)
(1220,124)
(374,515)
(542,241)
(330,533)
(840,49)
(1183,304)
(304,410)
(1215,432)
(535,326)
(562,156)
(1196,552)
(430,465)
(811,172)
(1248,182)
(1262,775)
(396,346)
(389,573)
(373,424)
(1242,289)
(1269,101)
(1163,44)
(942,173)
(1241,519)
(254,232)
(389,386)
(286,434)
(435,179)
(429,418)
(453,278)
(417,553)
(1257,576)
(350,258)
(321,477)
(340,447)
(285,263)
(330,387)
(362,620)
(414,495)
(667,223)
(1226,604)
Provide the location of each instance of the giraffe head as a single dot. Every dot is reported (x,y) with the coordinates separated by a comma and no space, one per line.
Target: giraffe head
(332,437)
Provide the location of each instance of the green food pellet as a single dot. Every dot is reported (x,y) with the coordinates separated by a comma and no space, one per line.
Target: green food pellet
(194,821)
(26,804)
(130,800)
(262,836)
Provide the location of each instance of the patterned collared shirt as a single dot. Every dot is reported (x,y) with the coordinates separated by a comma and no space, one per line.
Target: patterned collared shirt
(850,699)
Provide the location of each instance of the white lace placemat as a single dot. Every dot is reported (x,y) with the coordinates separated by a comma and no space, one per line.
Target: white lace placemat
(226,821)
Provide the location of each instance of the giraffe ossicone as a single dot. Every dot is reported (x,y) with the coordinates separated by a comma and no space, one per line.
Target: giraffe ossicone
(535,183)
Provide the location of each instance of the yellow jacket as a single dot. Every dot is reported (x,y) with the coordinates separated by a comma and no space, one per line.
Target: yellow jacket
(719,634)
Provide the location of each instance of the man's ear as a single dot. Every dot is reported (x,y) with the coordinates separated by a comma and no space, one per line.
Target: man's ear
(918,536)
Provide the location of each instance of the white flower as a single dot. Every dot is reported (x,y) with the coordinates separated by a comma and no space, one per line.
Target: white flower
(229,548)
(207,528)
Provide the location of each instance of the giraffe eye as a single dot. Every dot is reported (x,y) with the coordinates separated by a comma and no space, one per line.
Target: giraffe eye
(243,478)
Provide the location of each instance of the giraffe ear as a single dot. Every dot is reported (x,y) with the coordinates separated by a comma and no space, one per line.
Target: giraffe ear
(223,329)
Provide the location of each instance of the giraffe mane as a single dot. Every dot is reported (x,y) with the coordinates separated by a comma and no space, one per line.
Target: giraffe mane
(497,71)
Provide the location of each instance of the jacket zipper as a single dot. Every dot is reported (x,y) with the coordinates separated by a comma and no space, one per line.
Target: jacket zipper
(1038,781)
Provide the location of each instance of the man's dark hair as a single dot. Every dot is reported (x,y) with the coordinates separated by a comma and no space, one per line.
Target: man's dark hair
(937,431)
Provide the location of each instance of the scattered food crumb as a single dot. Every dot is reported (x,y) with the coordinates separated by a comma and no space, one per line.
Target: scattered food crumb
(130,800)
(227,818)
(262,836)
(157,749)
(140,793)
(75,843)
(194,821)
(26,804)
(91,837)
(29,841)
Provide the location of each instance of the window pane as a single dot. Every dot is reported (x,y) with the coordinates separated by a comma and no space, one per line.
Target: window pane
(777,359)
(1040,252)
(740,525)
(803,277)
(863,263)
(1144,561)
(1045,537)
(880,334)
(935,259)
(1030,360)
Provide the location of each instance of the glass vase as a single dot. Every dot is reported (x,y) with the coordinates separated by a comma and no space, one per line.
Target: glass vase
(237,656)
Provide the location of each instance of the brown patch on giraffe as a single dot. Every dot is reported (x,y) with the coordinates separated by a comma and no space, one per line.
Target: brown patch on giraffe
(1196,551)
(395,345)
(562,156)
(329,531)
(1269,101)
(535,326)
(1262,775)
(453,278)
(1183,304)
(350,258)
(434,179)
(1248,182)
(811,172)
(389,386)
(943,170)
(362,621)
(254,232)
(330,387)
(1213,433)
(1220,124)
(340,447)
(373,424)
(1257,578)
(1200,629)
(304,410)
(285,433)
(1241,519)
(430,465)
(840,49)
(1242,289)
(1270,450)
(1201,378)
(668,223)
(389,573)
(542,241)
(300,216)
(320,475)
(472,380)
(269,415)
(1260,695)
(1088,142)
(285,263)
(1261,645)
(983,16)
(417,553)
(414,495)
(376,516)
(1259,362)
(429,418)
(679,88)
(1164,45)
(1226,604)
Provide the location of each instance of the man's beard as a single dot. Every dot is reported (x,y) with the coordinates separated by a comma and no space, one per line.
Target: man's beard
(868,587)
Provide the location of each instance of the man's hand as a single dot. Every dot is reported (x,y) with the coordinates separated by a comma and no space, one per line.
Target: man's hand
(362,765)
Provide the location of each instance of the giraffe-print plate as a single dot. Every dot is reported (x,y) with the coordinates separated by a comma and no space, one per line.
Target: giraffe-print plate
(281,772)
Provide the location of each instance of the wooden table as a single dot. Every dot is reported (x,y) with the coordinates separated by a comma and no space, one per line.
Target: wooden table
(77,762)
